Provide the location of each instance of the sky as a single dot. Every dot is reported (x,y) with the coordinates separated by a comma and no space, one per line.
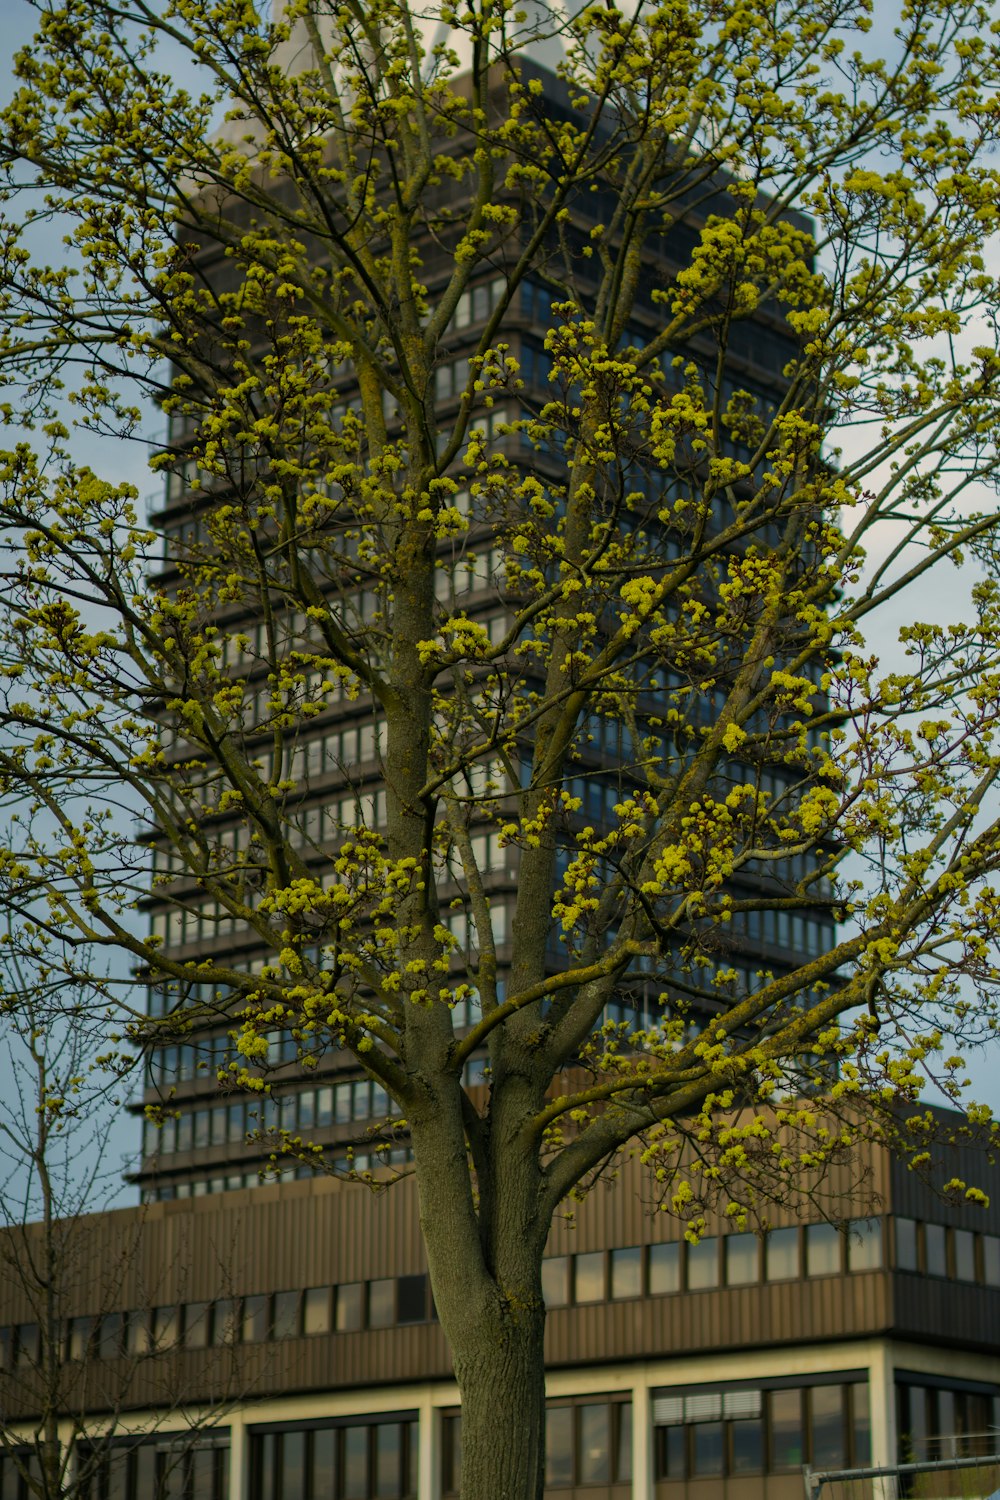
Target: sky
(129,462)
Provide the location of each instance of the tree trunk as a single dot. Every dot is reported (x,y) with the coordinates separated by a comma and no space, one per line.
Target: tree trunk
(501,1375)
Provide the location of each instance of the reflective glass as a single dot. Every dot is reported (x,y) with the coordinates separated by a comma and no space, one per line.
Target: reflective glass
(781,1255)
(350,1306)
(594,1444)
(623,1444)
(558,1447)
(742,1259)
(706,1448)
(388,1458)
(906,1244)
(822,1250)
(316,1310)
(864,1244)
(355,1467)
(555,1281)
(324,1463)
(991,1259)
(703,1264)
(826,1403)
(626,1272)
(786,1430)
(381,1303)
(747,1436)
(935,1250)
(964,1247)
(588,1279)
(286,1315)
(664,1269)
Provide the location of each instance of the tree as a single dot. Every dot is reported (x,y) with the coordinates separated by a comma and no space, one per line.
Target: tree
(70,1383)
(680,568)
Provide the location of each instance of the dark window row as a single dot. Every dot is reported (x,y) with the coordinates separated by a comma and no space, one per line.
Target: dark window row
(161,1468)
(588,1441)
(354,1460)
(938,1250)
(705,1433)
(384,1303)
(300,1111)
(726,1260)
(936,1421)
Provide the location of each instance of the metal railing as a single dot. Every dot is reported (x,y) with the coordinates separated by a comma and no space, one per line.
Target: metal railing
(899,1480)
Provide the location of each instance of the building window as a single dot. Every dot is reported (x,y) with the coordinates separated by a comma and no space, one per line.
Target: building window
(381,1303)
(316,1310)
(350,1307)
(587,1442)
(355,1459)
(710,1432)
(626,1273)
(555,1281)
(664,1269)
(822,1250)
(786,1430)
(703,1264)
(781,1254)
(181,1468)
(906,1244)
(742,1259)
(963,1245)
(588,1277)
(935,1250)
(864,1244)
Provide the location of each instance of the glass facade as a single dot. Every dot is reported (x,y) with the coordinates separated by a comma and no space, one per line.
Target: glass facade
(358,1458)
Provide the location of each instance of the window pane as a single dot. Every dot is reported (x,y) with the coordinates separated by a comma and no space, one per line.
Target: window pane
(226,1321)
(670,1462)
(786,1430)
(864,1244)
(589,1277)
(623,1442)
(664,1269)
(782,1254)
(935,1251)
(555,1281)
(381,1303)
(964,1247)
(324,1463)
(138,1335)
(703,1264)
(355,1463)
(827,1410)
(202,1474)
(706,1448)
(991,1259)
(411,1299)
(822,1250)
(742,1258)
(165,1329)
(906,1244)
(286,1315)
(316,1310)
(197,1316)
(626,1272)
(558,1447)
(451,1455)
(350,1306)
(255,1320)
(748,1445)
(594,1451)
(387,1460)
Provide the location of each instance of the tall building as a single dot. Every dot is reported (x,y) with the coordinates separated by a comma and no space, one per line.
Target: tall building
(204,1146)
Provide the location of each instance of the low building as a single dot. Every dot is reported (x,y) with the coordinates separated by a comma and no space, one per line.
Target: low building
(281,1342)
